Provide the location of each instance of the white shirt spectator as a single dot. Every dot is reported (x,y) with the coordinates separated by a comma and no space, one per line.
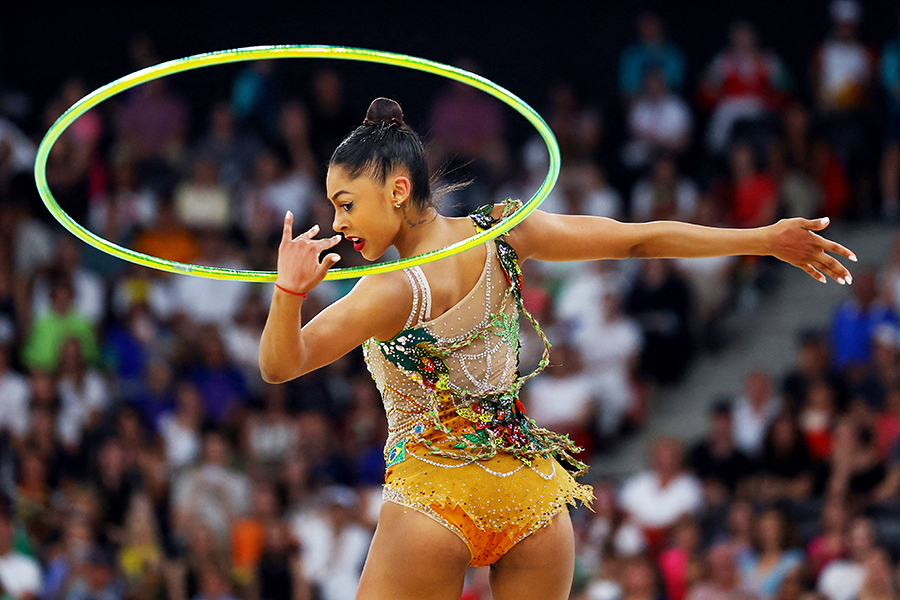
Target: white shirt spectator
(19,575)
(77,405)
(841,580)
(182,444)
(556,401)
(15,394)
(332,559)
(666,120)
(750,426)
(21,149)
(229,297)
(845,64)
(655,506)
(214,494)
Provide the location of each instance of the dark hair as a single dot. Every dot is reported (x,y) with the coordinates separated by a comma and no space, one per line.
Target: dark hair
(383,143)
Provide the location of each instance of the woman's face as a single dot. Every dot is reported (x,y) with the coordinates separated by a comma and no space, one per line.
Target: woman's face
(364,210)
(771,530)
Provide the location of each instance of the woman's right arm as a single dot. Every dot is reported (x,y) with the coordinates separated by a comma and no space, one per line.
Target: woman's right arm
(378,306)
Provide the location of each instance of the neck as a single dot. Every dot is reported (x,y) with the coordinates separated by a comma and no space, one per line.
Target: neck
(419,230)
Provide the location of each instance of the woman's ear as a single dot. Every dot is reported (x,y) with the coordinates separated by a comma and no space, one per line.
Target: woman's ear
(400,187)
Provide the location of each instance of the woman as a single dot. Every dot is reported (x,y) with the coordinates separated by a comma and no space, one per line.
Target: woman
(470,479)
(773,559)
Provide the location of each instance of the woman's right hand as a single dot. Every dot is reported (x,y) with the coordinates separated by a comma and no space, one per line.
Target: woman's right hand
(299,269)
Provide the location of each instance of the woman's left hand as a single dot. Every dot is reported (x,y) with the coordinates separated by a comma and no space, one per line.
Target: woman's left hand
(796,242)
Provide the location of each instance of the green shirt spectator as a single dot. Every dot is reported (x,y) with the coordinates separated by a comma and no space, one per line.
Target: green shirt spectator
(50,331)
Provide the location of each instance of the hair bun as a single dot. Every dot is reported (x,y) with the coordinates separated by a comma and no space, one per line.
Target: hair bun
(384,111)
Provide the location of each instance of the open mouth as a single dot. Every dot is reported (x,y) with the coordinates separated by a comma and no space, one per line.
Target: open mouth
(358,243)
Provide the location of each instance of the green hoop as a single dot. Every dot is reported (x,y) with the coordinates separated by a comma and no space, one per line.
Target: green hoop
(289,51)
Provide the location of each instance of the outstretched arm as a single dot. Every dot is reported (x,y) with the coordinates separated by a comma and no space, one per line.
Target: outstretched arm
(552,237)
(376,307)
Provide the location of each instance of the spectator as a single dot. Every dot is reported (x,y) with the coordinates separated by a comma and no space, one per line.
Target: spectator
(141,551)
(229,295)
(214,585)
(658,121)
(655,499)
(680,564)
(333,545)
(20,574)
(773,558)
(743,83)
(843,579)
(62,322)
(271,435)
(611,366)
(640,580)
(755,192)
(724,582)
(167,238)
(83,393)
(330,119)
(16,394)
(181,430)
(578,128)
(754,411)
(564,400)
(856,320)
(784,466)
(842,71)
(660,301)
(218,380)
(831,544)
(99,581)
(122,209)
(651,50)
(665,194)
(878,582)
(254,97)
(280,572)
(89,289)
(230,150)
(890,160)
(202,202)
(152,127)
(212,492)
(716,460)
(817,419)
(293,125)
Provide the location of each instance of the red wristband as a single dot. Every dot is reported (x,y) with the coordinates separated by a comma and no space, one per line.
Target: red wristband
(287,291)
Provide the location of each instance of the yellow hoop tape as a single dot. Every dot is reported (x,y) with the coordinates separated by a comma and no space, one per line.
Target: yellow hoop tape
(269,52)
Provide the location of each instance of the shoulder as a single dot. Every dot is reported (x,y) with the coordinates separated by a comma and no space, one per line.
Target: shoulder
(383,300)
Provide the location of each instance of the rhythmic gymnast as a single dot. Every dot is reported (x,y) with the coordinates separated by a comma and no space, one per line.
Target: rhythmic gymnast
(470,479)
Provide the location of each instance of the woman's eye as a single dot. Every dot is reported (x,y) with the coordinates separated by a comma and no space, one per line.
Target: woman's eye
(347,206)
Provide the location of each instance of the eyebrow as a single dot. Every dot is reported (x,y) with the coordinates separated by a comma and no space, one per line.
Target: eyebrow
(338,193)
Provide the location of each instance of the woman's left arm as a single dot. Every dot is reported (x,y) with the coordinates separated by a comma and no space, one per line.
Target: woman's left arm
(551,237)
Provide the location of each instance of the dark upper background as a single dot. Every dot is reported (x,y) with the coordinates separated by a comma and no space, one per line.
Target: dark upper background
(522,46)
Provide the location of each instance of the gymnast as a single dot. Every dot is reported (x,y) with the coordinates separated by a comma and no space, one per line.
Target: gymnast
(470,479)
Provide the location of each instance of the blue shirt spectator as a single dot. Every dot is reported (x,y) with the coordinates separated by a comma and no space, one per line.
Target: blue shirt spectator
(651,51)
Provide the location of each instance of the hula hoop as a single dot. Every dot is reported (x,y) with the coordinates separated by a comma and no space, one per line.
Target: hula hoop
(289,51)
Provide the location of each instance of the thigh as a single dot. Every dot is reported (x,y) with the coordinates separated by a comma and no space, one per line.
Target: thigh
(413,557)
(540,567)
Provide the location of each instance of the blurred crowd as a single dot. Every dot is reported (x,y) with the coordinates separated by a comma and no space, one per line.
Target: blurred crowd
(142,456)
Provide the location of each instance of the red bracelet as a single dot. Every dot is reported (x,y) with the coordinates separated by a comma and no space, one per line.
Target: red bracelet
(290,292)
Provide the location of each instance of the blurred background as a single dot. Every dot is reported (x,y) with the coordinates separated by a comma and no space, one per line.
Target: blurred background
(742,420)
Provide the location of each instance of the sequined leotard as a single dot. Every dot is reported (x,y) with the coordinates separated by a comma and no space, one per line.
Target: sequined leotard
(460,448)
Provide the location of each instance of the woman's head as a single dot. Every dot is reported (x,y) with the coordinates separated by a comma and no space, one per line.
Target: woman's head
(376,176)
(384,145)
(772,531)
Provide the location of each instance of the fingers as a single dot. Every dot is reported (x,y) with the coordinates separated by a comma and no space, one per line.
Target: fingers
(288,233)
(327,243)
(816,224)
(330,260)
(306,235)
(836,248)
(814,273)
(834,269)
